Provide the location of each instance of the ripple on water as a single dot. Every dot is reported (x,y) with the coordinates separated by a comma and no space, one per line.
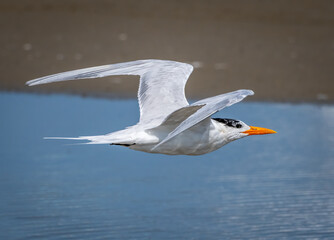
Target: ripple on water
(270,187)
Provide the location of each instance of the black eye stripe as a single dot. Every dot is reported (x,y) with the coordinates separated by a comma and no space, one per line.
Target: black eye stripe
(229,122)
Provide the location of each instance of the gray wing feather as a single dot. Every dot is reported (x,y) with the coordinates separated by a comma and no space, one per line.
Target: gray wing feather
(174,119)
(161,88)
(211,106)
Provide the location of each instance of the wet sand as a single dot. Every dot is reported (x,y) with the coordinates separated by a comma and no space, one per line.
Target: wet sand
(283,50)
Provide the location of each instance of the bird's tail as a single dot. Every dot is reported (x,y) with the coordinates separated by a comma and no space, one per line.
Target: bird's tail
(116,138)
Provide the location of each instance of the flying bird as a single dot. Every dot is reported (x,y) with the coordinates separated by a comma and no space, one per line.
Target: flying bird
(168,123)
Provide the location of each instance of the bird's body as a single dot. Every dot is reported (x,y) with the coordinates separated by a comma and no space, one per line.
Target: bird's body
(202,138)
(168,124)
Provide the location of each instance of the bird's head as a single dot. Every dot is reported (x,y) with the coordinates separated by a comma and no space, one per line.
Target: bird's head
(235,129)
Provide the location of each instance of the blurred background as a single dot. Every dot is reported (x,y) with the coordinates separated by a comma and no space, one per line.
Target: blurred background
(277,186)
(283,50)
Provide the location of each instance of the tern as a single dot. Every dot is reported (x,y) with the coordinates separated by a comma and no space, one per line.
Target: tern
(168,124)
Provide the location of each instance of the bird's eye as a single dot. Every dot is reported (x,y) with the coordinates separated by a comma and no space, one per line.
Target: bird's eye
(238,125)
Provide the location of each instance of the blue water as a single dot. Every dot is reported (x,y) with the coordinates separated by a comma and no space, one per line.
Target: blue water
(278,186)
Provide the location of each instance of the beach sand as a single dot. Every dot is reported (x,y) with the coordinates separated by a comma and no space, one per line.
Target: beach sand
(283,50)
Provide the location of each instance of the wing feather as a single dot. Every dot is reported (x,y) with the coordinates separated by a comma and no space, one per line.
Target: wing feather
(161,88)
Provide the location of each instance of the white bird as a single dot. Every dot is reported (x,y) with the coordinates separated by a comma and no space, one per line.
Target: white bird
(168,124)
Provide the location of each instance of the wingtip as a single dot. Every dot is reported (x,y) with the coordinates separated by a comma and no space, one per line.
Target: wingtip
(155,147)
(248,92)
(30,83)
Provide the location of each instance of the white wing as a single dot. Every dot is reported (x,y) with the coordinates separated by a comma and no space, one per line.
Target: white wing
(208,106)
(161,88)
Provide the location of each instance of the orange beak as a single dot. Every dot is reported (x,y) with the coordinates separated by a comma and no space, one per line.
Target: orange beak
(258,131)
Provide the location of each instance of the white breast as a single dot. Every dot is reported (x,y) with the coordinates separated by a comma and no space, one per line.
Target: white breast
(204,137)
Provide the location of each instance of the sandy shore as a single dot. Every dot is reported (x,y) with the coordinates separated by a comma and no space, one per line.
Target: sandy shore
(283,50)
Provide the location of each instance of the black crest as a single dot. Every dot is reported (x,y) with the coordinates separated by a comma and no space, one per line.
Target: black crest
(229,122)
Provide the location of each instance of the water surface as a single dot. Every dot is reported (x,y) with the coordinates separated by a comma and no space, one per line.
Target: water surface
(278,186)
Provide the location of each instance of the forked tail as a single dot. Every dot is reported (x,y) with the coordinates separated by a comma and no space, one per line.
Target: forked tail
(122,137)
